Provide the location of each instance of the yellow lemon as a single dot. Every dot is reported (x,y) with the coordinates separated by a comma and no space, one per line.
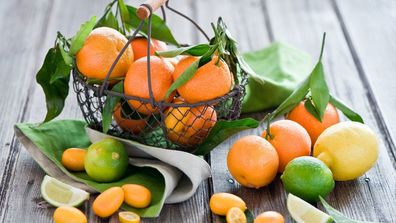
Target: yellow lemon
(349,149)
(128,217)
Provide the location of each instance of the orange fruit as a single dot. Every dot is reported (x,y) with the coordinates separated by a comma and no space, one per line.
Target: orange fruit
(314,127)
(108,202)
(136,82)
(137,196)
(139,47)
(66,214)
(73,159)
(269,217)
(253,161)
(220,203)
(210,81)
(235,215)
(189,126)
(290,140)
(99,51)
(134,126)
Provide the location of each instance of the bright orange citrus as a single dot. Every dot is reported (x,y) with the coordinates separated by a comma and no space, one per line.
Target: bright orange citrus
(66,214)
(100,50)
(73,159)
(136,82)
(134,126)
(290,140)
(108,202)
(212,80)
(220,203)
(137,196)
(269,217)
(314,127)
(139,46)
(253,161)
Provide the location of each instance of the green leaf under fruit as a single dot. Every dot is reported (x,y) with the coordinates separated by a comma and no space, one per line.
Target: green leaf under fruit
(159,29)
(337,216)
(196,50)
(55,89)
(110,104)
(348,112)
(223,130)
(78,40)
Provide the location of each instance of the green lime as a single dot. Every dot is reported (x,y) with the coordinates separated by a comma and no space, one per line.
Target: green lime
(303,212)
(308,177)
(59,194)
(106,160)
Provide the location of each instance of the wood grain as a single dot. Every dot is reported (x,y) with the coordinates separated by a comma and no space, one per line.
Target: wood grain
(302,25)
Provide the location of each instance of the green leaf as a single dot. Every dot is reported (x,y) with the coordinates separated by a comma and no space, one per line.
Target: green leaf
(223,130)
(348,112)
(63,69)
(337,216)
(249,216)
(78,40)
(57,90)
(196,50)
(52,138)
(159,29)
(124,11)
(108,20)
(319,90)
(110,104)
(311,108)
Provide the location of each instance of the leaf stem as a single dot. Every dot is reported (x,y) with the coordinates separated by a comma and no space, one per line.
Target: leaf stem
(322,48)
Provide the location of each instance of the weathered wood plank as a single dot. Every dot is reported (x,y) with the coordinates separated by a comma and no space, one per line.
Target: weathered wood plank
(372,196)
(373,54)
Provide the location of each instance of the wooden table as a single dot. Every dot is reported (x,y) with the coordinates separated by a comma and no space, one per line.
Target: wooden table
(359,61)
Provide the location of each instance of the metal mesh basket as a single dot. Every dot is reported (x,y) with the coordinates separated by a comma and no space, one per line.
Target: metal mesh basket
(173,125)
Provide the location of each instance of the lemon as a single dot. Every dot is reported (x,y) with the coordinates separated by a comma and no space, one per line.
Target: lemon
(349,149)
(128,217)
(235,215)
(308,177)
(60,194)
(303,212)
(106,160)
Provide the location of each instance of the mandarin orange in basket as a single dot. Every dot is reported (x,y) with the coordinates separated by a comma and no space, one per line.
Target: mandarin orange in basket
(253,161)
(73,159)
(210,81)
(139,46)
(66,214)
(269,217)
(314,127)
(99,51)
(136,196)
(108,202)
(136,82)
(290,140)
(134,126)
(189,125)
(221,203)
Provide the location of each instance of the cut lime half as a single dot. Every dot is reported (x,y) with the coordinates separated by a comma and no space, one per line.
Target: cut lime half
(303,212)
(59,194)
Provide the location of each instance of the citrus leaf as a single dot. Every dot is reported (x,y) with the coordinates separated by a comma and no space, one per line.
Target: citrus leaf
(110,103)
(348,112)
(183,78)
(63,68)
(159,29)
(319,90)
(78,40)
(223,130)
(109,20)
(311,109)
(249,216)
(124,11)
(337,216)
(56,91)
(196,50)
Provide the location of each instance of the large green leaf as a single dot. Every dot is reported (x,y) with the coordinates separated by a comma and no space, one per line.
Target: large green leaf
(78,40)
(55,89)
(52,138)
(159,28)
(222,131)
(348,112)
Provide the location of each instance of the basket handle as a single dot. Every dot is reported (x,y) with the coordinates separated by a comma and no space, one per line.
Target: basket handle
(144,11)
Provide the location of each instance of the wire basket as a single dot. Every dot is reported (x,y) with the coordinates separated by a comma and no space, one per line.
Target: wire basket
(173,125)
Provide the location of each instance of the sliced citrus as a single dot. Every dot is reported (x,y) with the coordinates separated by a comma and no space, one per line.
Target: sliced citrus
(59,194)
(303,212)
(235,215)
(128,217)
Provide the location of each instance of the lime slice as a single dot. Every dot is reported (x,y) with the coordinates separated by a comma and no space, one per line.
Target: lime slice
(302,212)
(59,194)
